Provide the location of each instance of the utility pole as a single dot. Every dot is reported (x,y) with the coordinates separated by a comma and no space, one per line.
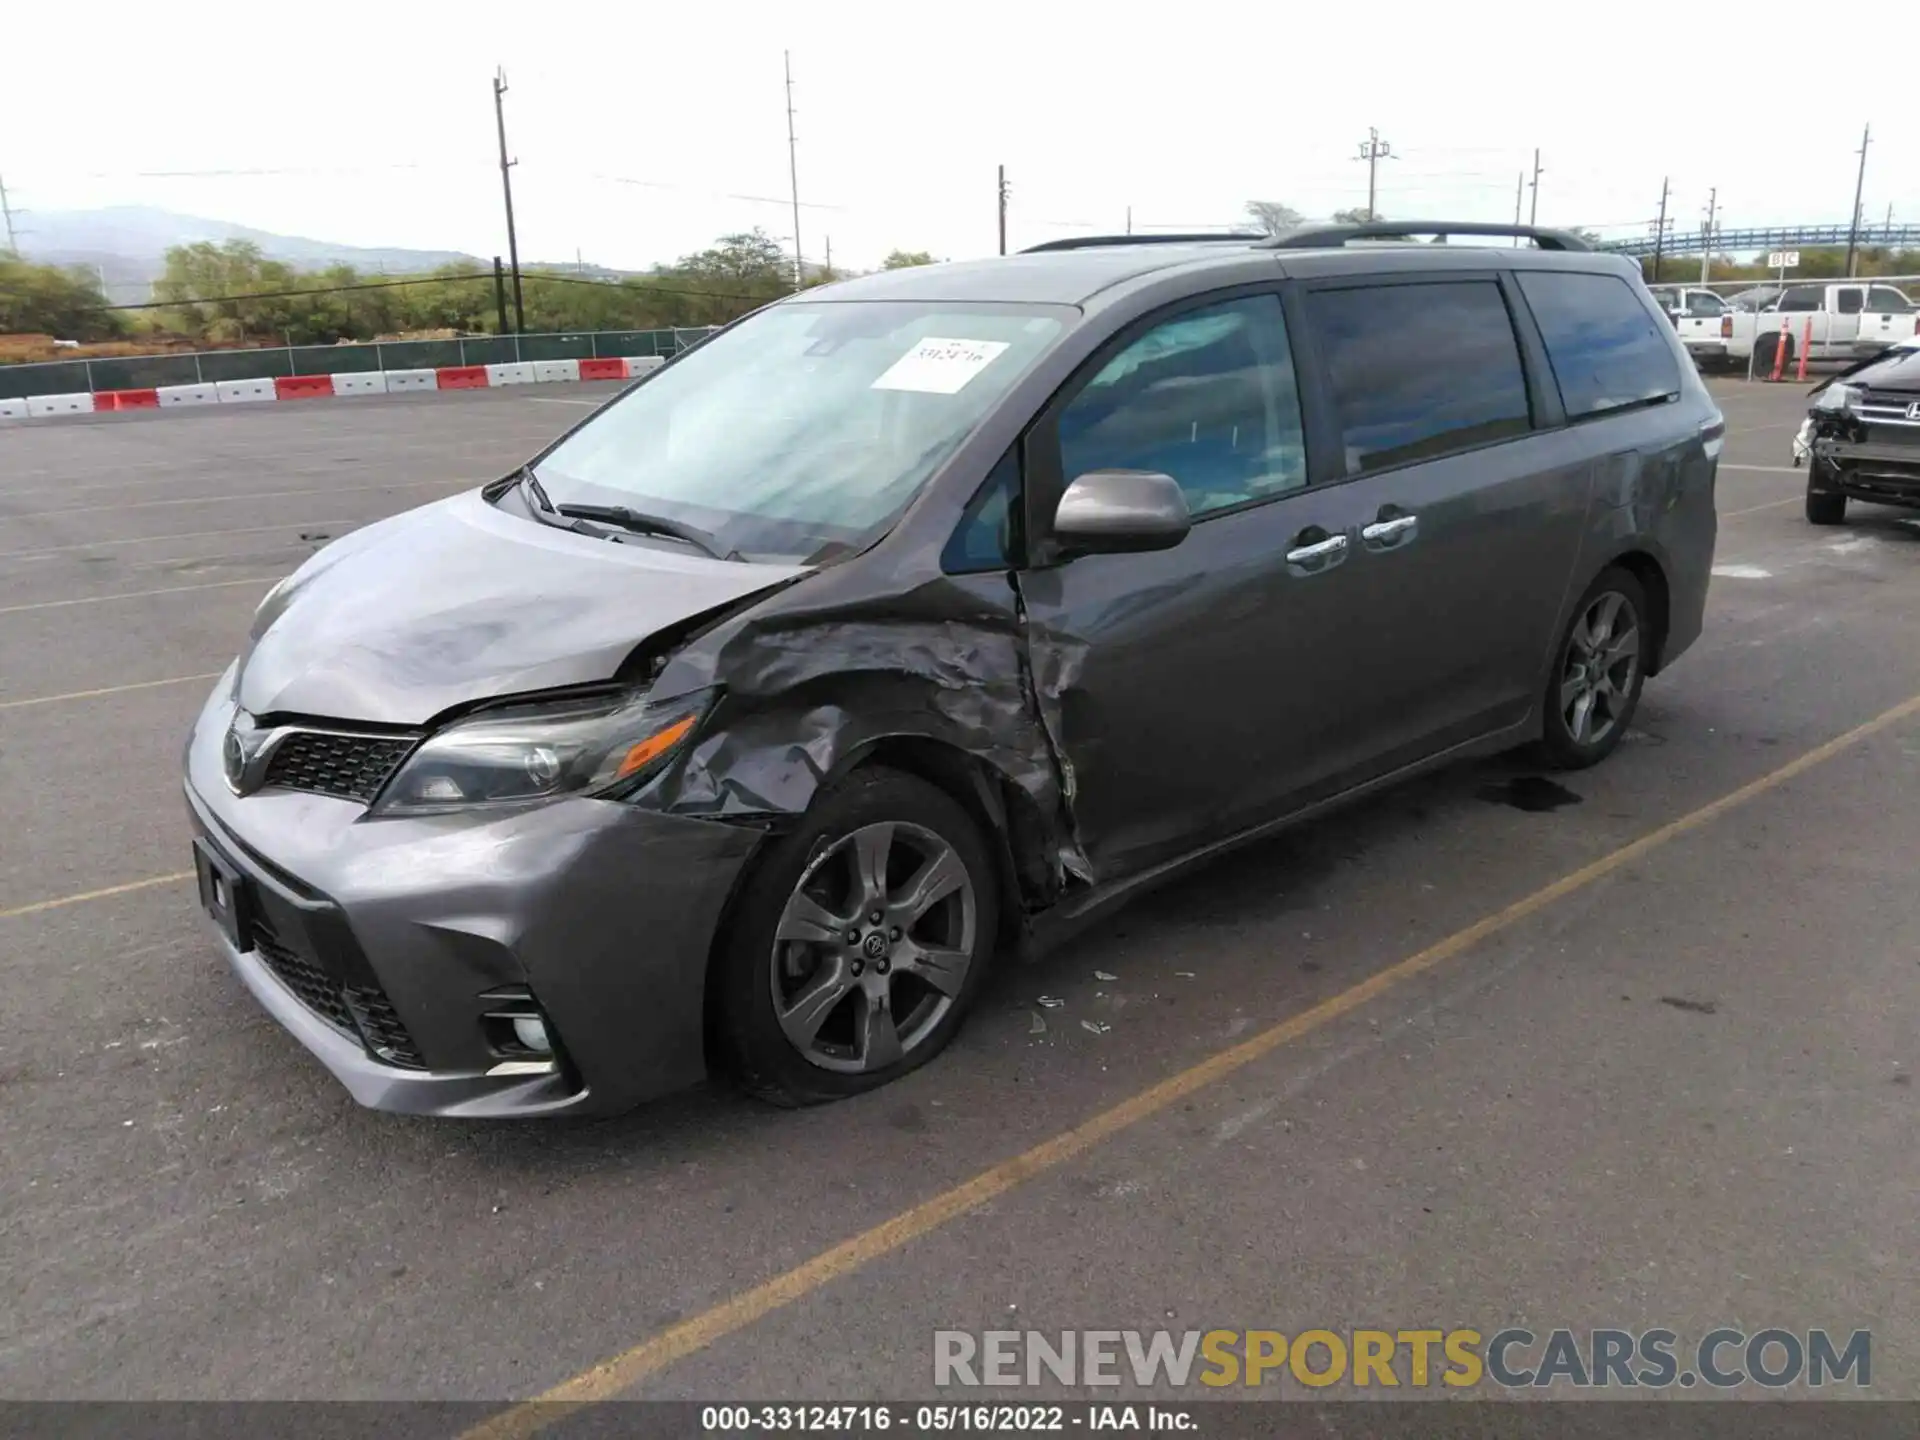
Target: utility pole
(829,257)
(1130,218)
(1660,231)
(1373,150)
(1853,231)
(13,244)
(1706,238)
(500,294)
(1519,188)
(506,188)
(1533,210)
(793,173)
(1002,190)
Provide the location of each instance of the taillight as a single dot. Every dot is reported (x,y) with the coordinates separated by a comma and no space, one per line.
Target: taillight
(1726,326)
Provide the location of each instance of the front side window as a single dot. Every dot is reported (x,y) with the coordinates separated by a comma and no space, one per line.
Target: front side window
(1606,351)
(1850,302)
(806,426)
(1207,397)
(1420,370)
(1885,300)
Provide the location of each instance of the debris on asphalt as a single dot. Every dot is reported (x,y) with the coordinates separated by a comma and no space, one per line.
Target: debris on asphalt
(1184,974)
(1694,1007)
(1103,975)
(1050,1002)
(1097,1027)
(1037,1024)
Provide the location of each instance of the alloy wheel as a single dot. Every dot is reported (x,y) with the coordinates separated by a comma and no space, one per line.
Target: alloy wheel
(1600,667)
(873,947)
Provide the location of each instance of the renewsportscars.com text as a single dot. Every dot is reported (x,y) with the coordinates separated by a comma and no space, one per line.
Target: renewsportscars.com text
(1512,1358)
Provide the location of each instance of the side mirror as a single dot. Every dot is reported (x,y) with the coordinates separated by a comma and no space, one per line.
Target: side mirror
(1121,511)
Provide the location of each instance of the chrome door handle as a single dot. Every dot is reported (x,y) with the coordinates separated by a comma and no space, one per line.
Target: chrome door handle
(1321,555)
(1385,534)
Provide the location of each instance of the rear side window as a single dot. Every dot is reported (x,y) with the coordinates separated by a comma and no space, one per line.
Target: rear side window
(1606,351)
(1420,370)
(1801,299)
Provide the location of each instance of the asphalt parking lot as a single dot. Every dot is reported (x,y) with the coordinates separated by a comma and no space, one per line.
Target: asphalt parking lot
(1638,1051)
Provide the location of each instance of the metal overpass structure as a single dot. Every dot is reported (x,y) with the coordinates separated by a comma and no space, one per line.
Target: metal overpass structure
(1778,237)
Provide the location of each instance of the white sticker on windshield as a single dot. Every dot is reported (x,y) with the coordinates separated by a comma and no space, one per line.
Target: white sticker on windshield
(940,367)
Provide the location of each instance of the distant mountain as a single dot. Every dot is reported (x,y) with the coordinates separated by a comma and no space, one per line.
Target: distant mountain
(127,244)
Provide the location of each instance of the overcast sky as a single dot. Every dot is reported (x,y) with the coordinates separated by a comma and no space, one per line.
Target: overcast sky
(644,130)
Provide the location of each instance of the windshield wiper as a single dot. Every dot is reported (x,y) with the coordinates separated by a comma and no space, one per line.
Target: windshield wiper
(648,525)
(536,492)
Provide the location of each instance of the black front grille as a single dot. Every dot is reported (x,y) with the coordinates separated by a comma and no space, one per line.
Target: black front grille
(315,989)
(380,1024)
(361,1012)
(353,767)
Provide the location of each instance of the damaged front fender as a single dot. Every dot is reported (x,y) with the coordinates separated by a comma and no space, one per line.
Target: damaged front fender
(815,678)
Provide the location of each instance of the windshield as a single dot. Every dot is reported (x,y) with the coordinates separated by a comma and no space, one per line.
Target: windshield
(805,426)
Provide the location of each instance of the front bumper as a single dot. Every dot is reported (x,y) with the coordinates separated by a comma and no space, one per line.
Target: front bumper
(1887,474)
(381,945)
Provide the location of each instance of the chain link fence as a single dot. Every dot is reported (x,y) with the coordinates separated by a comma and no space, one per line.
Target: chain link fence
(144,372)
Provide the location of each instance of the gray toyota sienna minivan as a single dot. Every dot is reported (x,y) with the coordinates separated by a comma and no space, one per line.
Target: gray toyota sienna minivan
(914,619)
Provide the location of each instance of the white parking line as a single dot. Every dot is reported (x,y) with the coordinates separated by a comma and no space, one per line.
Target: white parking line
(555,400)
(1770,469)
(137,594)
(237,498)
(294,525)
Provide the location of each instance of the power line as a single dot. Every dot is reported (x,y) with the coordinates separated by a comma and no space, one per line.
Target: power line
(639,284)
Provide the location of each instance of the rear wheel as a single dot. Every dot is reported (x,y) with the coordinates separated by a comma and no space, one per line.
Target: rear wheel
(1596,682)
(1824,507)
(859,944)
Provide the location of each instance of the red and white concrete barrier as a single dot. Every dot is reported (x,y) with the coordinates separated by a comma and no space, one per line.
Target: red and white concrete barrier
(344,383)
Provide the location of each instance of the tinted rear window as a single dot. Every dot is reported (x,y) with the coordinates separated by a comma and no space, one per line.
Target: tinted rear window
(1606,350)
(1420,370)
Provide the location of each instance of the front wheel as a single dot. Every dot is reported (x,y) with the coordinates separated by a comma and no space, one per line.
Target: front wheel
(858,945)
(1600,669)
(1824,507)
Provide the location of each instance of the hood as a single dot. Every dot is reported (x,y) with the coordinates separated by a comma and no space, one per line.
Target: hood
(1896,370)
(456,602)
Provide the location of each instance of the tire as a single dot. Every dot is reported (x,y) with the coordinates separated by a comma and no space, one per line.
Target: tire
(1763,353)
(1615,607)
(802,939)
(1824,507)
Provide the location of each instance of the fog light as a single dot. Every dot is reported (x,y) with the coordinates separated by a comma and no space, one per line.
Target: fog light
(531,1031)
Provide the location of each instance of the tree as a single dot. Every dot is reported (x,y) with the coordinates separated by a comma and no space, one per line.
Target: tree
(1357,215)
(46,300)
(906,260)
(1592,237)
(1272,217)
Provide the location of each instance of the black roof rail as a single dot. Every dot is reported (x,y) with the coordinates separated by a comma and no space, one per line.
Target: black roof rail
(1314,237)
(1090,242)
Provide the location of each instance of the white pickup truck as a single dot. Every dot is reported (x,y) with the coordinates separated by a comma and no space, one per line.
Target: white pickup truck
(1840,320)
(1695,313)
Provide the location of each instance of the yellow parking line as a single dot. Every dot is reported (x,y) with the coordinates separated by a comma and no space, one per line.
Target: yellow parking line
(106,690)
(620,1373)
(104,894)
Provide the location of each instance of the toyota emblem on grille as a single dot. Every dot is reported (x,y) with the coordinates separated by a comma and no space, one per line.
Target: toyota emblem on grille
(233,751)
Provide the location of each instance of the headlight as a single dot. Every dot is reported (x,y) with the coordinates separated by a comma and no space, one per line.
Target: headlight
(1835,397)
(602,746)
